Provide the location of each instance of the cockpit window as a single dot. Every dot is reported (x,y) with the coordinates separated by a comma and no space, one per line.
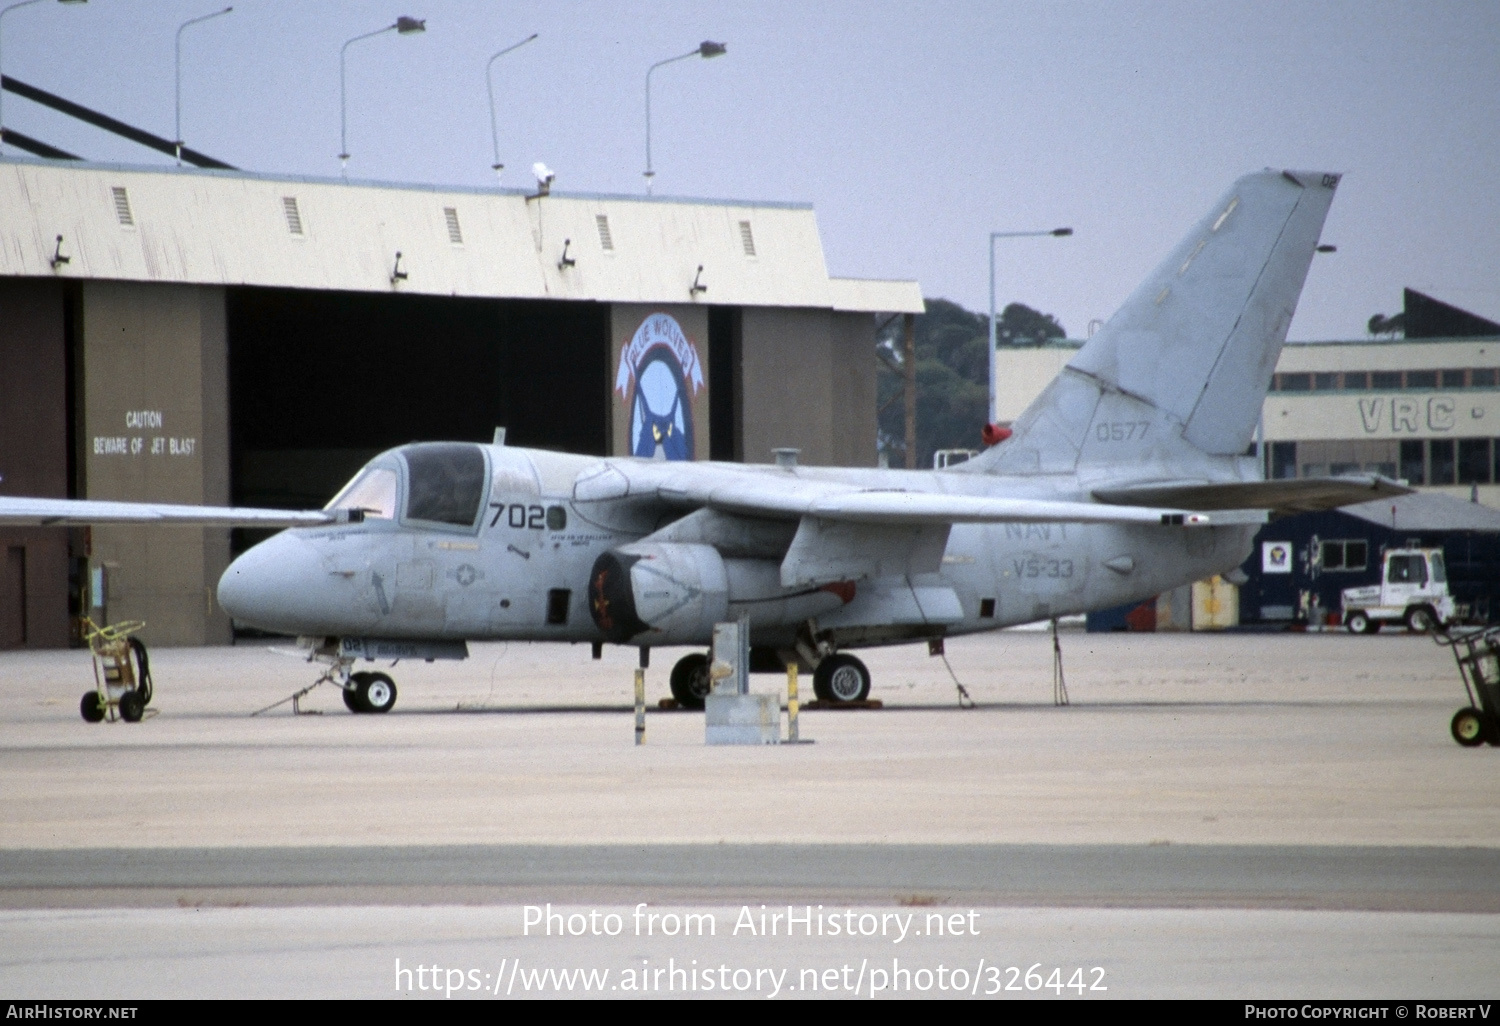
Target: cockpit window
(372,490)
(446,482)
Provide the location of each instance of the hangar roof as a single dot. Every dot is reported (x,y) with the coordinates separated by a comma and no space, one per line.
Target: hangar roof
(207,227)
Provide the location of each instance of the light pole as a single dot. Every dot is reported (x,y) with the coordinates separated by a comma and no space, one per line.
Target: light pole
(404,26)
(705,49)
(177,136)
(1059,233)
(3,13)
(489,84)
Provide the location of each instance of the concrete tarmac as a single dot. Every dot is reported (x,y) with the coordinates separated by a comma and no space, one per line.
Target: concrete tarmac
(1227,777)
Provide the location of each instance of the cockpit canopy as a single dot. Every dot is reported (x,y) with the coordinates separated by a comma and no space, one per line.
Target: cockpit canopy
(445,484)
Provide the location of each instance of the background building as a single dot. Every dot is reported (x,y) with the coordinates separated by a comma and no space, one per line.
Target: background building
(213,336)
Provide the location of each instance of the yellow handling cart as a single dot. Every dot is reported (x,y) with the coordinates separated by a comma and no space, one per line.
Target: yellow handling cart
(122,673)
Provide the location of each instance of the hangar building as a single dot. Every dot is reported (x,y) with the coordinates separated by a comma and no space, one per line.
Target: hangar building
(215,336)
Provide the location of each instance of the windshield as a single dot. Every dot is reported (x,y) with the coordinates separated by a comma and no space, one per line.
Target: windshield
(446,482)
(1439,572)
(1407,570)
(372,490)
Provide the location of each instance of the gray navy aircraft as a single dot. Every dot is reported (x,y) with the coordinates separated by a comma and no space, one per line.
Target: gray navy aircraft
(1132,473)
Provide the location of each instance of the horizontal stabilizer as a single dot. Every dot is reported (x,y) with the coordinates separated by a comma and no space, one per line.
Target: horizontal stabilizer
(1305,496)
(85,512)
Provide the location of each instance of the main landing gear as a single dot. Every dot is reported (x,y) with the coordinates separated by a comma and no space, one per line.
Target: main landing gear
(839,677)
(690,681)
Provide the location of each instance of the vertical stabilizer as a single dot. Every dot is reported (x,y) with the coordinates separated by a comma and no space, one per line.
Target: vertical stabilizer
(1189,356)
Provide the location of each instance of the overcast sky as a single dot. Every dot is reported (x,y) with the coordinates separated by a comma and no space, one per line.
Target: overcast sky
(914,128)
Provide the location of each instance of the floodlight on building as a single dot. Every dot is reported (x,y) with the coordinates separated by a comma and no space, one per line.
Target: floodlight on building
(177,134)
(706,49)
(489,84)
(403,25)
(1055,233)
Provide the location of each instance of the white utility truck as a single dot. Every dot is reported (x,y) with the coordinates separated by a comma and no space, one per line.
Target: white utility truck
(1413,590)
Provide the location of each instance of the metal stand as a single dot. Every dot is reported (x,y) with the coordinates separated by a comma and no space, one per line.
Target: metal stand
(793,707)
(640,706)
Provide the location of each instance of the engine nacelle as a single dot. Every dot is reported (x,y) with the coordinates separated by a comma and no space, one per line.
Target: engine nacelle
(659,593)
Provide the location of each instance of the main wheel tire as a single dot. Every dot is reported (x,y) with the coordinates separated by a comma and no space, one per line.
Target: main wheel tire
(1420,620)
(377,692)
(1358,623)
(1468,727)
(90,708)
(351,695)
(690,681)
(842,678)
(132,706)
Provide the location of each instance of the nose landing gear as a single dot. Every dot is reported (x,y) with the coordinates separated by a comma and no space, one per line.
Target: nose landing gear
(370,693)
(363,692)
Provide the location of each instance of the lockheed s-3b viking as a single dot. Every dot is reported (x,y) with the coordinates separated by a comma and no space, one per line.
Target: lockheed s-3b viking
(1132,473)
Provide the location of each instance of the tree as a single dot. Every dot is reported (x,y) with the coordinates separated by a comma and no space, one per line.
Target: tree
(952,374)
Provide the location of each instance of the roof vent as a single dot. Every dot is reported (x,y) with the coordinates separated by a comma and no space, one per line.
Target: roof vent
(747,238)
(293,215)
(606,240)
(122,205)
(455,234)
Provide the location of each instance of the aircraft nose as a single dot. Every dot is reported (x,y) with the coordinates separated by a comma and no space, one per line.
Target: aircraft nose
(276,585)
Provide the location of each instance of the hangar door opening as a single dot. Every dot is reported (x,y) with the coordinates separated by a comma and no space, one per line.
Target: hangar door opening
(319,382)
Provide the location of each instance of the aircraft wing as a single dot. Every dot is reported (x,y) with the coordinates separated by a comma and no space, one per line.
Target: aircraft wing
(846,532)
(16,512)
(779,495)
(1307,495)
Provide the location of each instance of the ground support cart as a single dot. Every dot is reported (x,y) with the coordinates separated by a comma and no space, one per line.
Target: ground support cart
(122,673)
(1477,652)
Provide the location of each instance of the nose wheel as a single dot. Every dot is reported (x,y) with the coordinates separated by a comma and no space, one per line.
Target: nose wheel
(370,693)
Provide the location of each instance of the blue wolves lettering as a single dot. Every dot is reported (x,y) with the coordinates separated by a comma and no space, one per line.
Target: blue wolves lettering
(658,375)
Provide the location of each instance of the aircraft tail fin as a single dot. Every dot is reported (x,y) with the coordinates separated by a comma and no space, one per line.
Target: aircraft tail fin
(1179,374)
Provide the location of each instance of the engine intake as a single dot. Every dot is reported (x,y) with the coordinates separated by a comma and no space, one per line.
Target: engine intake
(659,594)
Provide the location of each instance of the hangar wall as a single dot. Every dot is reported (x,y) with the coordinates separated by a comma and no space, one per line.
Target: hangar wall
(33,459)
(809,383)
(155,427)
(205,337)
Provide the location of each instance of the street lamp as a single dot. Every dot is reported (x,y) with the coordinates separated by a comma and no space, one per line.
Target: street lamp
(498,167)
(3,13)
(705,49)
(404,26)
(1057,232)
(177,136)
